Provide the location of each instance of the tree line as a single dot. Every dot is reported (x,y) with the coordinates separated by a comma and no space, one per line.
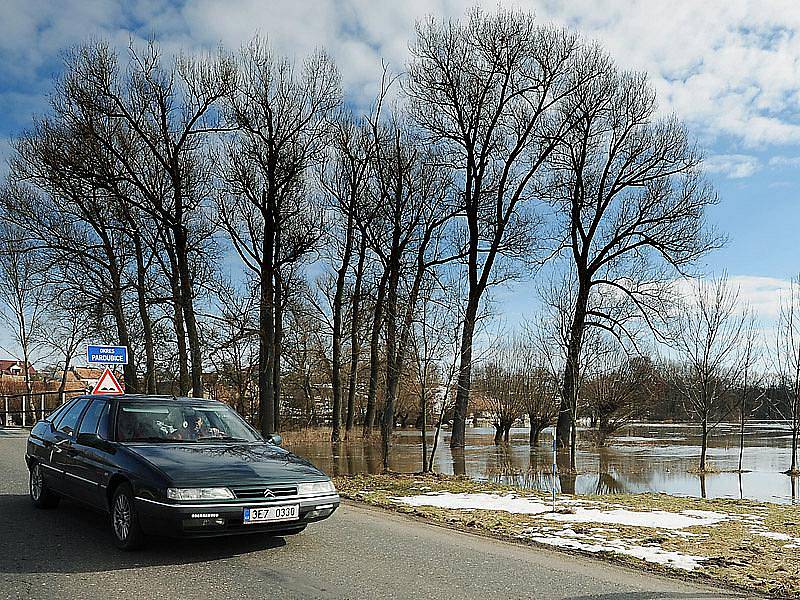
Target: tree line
(238,224)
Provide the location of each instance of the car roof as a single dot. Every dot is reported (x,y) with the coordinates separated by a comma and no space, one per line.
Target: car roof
(155,397)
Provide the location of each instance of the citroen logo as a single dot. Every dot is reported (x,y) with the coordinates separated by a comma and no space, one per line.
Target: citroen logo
(268,493)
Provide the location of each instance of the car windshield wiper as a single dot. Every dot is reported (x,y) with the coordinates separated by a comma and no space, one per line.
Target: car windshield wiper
(156,439)
(223,438)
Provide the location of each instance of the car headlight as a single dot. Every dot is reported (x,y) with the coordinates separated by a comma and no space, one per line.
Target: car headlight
(317,487)
(199,494)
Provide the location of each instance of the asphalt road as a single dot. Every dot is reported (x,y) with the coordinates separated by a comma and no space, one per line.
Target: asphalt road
(358,553)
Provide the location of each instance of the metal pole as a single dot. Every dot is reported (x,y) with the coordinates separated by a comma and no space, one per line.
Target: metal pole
(8,416)
(22,403)
(555,470)
(41,413)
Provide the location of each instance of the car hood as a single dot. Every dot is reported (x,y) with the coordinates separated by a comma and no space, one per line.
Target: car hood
(226,464)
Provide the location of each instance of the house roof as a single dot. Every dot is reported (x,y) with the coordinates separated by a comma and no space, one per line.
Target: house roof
(6,365)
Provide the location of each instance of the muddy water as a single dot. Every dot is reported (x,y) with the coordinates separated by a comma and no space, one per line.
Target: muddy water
(642,458)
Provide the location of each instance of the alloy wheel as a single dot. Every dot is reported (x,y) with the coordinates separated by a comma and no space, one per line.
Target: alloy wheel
(36,482)
(122,517)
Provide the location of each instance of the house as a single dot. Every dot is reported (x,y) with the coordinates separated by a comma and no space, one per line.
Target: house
(15,369)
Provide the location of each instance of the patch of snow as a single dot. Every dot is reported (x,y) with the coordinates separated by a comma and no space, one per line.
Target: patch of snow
(478,501)
(530,506)
(774,535)
(657,519)
(652,554)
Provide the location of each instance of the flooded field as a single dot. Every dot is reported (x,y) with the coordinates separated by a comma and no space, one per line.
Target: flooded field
(646,457)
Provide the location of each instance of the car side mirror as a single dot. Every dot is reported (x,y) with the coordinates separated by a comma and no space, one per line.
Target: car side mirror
(88,439)
(275,439)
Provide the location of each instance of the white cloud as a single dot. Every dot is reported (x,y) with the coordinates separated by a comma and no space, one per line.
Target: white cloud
(784,161)
(734,166)
(729,69)
(763,295)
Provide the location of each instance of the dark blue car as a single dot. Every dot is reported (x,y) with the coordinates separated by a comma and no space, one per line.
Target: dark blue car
(183,467)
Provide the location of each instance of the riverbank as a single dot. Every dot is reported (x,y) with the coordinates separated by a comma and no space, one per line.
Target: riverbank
(745,544)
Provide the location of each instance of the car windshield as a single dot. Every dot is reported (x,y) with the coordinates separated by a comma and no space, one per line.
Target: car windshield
(180,421)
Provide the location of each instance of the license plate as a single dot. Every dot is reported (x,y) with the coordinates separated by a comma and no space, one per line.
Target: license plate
(271,514)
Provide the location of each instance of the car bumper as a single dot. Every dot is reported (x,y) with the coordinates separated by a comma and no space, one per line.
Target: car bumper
(174,519)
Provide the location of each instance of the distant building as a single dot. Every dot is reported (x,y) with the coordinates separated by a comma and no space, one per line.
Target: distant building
(15,369)
(85,377)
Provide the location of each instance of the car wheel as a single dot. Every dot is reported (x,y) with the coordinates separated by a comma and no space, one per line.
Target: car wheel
(41,495)
(124,520)
(292,531)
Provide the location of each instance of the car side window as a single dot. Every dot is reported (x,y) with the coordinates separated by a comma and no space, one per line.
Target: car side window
(70,419)
(59,412)
(92,417)
(102,423)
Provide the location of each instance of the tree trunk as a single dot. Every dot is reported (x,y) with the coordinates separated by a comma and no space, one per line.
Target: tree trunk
(536,427)
(374,353)
(266,344)
(355,346)
(464,380)
(569,391)
(338,309)
(392,357)
(704,445)
(187,304)
(507,432)
(178,324)
(276,351)
(62,385)
(147,324)
(128,370)
(741,429)
(498,434)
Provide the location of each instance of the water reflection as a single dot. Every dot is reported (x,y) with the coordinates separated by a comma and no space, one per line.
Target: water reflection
(645,458)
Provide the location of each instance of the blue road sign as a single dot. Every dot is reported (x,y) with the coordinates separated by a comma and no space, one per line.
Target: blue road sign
(107,355)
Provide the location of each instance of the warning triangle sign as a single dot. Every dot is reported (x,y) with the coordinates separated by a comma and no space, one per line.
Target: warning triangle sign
(107,384)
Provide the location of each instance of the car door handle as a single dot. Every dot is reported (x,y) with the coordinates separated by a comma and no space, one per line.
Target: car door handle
(61,445)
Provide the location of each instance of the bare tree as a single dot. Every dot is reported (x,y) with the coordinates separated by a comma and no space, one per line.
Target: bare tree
(786,358)
(631,201)
(281,117)
(540,395)
(435,340)
(408,234)
(618,389)
(154,119)
(706,337)
(66,330)
(59,196)
(22,295)
(344,179)
(486,91)
(751,378)
(500,387)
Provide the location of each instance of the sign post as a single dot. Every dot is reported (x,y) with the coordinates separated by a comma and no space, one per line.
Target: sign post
(106,356)
(555,470)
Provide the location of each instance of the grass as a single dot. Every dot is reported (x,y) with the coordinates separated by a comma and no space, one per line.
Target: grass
(735,551)
(311,435)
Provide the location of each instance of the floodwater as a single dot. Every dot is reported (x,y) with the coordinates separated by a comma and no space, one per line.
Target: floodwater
(644,457)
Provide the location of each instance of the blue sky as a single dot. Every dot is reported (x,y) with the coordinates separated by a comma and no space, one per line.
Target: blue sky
(730,70)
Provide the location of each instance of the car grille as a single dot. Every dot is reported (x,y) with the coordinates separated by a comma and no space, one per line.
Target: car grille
(260,492)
